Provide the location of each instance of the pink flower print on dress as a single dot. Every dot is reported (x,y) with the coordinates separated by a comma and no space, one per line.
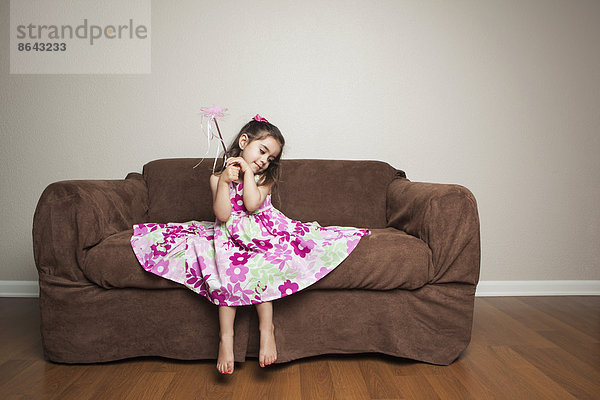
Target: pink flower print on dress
(160,253)
(140,230)
(259,290)
(280,255)
(237,203)
(262,245)
(282,223)
(266,224)
(260,287)
(322,272)
(302,247)
(146,260)
(352,244)
(219,296)
(239,258)
(237,273)
(233,230)
(244,293)
(160,268)
(218,234)
(225,295)
(229,291)
(301,229)
(288,288)
(194,279)
(284,237)
(199,264)
(264,229)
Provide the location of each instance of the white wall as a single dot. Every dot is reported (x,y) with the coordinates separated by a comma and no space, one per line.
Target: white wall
(500,96)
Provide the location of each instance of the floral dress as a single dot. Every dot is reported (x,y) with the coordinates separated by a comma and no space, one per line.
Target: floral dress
(251,258)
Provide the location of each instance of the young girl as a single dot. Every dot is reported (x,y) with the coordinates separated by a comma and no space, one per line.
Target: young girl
(252,253)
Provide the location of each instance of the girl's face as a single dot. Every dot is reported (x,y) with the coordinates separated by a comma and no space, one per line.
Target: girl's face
(259,153)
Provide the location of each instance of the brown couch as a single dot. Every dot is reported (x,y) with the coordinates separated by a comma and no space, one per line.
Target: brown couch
(407,290)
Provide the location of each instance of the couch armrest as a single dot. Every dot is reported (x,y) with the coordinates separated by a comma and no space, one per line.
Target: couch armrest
(443,216)
(72,216)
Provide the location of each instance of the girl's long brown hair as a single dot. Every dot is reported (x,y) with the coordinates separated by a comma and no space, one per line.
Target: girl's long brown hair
(256,130)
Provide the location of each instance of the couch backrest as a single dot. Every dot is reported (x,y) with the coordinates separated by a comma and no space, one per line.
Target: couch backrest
(332,192)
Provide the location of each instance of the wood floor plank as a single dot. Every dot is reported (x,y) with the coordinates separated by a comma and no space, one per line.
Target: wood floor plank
(510,376)
(522,312)
(86,383)
(570,312)
(448,387)
(481,366)
(547,324)
(415,387)
(586,351)
(530,376)
(519,373)
(576,377)
(348,380)
(586,304)
(257,382)
(39,379)
(544,319)
(191,380)
(289,384)
(150,386)
(315,379)
(380,379)
(219,386)
(20,342)
(11,368)
(471,380)
(117,381)
(273,382)
(492,326)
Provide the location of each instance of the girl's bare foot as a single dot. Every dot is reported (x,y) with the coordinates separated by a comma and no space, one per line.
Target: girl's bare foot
(267,354)
(225,362)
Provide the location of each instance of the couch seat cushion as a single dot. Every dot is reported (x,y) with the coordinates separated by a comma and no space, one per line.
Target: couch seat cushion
(113,264)
(385,260)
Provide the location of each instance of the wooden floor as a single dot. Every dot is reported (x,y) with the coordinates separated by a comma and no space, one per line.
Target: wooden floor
(522,348)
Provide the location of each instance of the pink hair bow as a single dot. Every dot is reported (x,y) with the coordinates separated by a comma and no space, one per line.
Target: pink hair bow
(260,119)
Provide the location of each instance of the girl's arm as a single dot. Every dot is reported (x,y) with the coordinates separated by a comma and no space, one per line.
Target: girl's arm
(254,195)
(219,185)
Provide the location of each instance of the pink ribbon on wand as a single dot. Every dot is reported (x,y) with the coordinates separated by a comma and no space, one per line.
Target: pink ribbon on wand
(212,113)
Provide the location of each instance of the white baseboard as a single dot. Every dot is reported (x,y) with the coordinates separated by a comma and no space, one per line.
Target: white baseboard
(538,288)
(484,288)
(19,289)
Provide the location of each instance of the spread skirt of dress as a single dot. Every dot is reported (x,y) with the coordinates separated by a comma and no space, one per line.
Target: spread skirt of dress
(252,258)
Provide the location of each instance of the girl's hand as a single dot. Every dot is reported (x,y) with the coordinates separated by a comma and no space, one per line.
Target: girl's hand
(230,174)
(240,162)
